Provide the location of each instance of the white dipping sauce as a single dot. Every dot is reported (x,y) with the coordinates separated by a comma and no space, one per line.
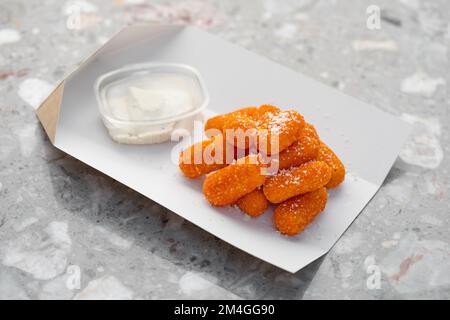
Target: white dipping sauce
(145,107)
(153,97)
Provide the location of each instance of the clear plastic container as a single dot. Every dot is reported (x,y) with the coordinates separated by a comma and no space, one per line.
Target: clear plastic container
(144,103)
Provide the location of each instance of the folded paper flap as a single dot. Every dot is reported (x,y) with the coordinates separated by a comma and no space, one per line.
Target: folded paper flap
(48,111)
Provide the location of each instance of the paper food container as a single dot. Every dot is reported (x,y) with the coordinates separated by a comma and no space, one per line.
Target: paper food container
(367,139)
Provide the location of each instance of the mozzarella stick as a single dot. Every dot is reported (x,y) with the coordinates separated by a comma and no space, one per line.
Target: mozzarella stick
(337,167)
(241,129)
(219,122)
(229,184)
(292,216)
(303,150)
(205,156)
(254,203)
(278,130)
(297,180)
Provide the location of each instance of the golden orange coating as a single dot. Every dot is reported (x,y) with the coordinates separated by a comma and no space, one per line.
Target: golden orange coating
(338,170)
(206,156)
(305,178)
(229,184)
(264,108)
(219,122)
(303,150)
(277,130)
(292,216)
(267,127)
(254,203)
(241,132)
(240,127)
(241,153)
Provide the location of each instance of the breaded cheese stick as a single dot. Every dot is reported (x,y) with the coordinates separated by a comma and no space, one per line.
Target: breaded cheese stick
(241,129)
(297,180)
(292,216)
(254,203)
(229,184)
(338,170)
(305,149)
(278,130)
(219,122)
(206,156)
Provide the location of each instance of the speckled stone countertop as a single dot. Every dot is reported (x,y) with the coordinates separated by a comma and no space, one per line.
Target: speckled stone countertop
(67,231)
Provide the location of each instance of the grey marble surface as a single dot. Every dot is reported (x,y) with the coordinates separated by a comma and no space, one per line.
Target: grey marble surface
(60,219)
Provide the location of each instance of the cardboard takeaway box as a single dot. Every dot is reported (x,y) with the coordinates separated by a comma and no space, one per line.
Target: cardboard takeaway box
(367,139)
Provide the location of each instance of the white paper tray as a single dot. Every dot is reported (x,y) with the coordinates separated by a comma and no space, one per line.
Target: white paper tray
(366,139)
